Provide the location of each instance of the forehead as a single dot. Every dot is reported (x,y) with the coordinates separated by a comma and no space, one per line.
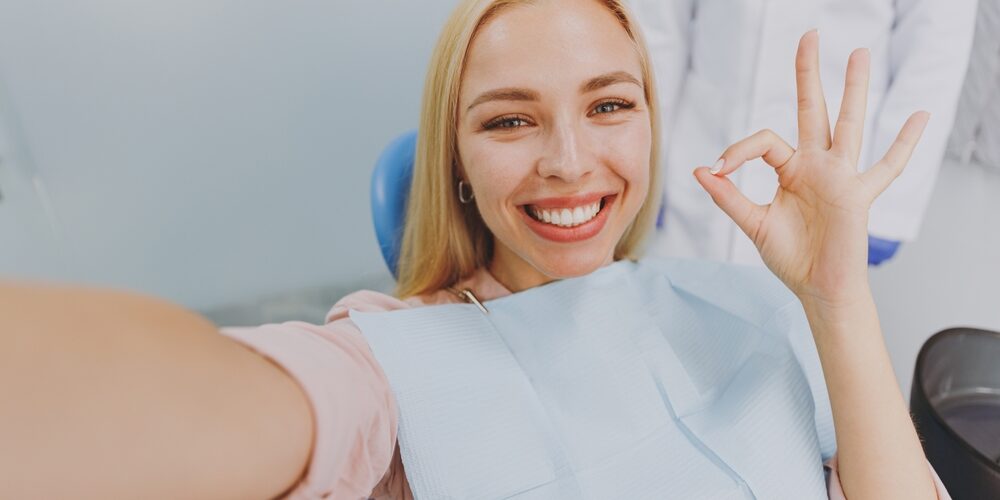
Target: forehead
(551,45)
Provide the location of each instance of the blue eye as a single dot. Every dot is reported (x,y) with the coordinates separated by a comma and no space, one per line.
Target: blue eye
(607,107)
(506,122)
(611,106)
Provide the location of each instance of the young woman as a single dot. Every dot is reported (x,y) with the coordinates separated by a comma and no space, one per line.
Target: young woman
(535,163)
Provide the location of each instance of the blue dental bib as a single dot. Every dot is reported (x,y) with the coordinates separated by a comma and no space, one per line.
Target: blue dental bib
(659,379)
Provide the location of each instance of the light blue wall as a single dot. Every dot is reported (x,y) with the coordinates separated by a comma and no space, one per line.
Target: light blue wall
(205,151)
(949,276)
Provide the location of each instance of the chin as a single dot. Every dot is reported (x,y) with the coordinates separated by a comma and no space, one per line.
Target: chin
(571,264)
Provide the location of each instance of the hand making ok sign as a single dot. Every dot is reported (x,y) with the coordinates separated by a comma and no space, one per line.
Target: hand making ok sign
(814,234)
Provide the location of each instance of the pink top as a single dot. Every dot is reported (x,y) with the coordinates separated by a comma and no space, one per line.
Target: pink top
(355,454)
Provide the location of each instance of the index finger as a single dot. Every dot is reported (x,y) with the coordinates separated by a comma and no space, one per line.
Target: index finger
(814,122)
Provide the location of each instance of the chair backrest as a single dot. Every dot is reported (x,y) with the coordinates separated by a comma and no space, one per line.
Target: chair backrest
(391,188)
(389,192)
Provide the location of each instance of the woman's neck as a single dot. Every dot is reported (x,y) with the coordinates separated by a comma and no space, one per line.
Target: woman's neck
(517,274)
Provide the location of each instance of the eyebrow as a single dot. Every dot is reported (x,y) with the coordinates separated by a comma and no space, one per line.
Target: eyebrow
(606,79)
(507,94)
(519,94)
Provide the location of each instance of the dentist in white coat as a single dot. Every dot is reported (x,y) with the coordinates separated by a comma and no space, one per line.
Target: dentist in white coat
(723,69)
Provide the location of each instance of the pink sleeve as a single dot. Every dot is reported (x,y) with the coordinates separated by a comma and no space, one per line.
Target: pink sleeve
(836,491)
(353,409)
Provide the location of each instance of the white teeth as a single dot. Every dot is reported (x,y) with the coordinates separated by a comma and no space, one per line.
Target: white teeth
(567,217)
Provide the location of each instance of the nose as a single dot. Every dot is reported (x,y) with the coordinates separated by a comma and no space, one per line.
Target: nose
(564,156)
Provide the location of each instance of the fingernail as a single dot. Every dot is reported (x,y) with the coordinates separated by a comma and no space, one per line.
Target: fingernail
(718,166)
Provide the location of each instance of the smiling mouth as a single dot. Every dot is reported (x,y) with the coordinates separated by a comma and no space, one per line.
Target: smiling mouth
(566,217)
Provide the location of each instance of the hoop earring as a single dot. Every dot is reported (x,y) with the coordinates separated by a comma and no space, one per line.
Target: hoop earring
(462,197)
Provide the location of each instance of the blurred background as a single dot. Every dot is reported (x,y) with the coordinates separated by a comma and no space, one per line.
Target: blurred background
(219,154)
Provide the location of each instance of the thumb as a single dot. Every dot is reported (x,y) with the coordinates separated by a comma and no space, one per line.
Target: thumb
(745,213)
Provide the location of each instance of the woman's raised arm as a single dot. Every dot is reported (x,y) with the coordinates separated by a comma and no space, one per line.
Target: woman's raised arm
(112,395)
(814,236)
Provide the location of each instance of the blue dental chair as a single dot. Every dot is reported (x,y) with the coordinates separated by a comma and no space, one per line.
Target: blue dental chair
(389,193)
(391,187)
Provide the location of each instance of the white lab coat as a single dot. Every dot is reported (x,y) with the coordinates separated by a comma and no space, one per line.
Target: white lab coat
(725,69)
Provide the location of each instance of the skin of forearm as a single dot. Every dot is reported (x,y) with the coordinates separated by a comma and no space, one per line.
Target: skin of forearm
(114,395)
(878,450)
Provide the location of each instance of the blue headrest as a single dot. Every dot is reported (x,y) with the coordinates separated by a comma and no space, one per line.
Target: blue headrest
(390,190)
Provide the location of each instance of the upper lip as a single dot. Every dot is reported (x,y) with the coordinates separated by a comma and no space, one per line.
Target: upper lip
(576,200)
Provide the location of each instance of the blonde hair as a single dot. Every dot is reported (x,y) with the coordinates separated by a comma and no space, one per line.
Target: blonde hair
(443,239)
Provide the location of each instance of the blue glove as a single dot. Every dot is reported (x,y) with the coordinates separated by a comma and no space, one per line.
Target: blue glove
(880,250)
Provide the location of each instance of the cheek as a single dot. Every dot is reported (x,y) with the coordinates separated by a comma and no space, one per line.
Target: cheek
(495,171)
(627,150)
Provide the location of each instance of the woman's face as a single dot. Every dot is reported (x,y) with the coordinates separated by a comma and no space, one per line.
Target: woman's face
(554,138)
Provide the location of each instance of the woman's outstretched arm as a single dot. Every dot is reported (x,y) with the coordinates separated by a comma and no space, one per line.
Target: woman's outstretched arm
(814,237)
(112,395)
